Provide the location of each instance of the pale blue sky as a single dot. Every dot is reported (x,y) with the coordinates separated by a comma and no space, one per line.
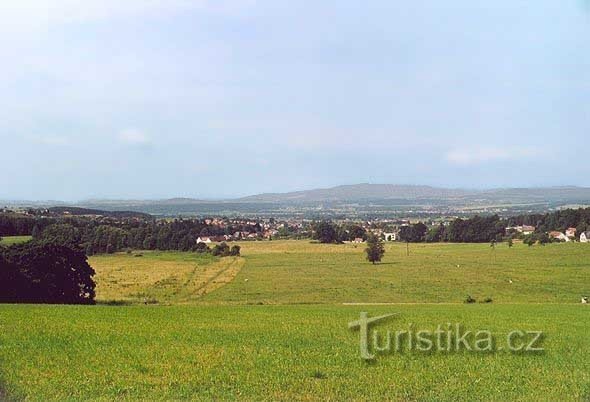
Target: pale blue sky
(154,99)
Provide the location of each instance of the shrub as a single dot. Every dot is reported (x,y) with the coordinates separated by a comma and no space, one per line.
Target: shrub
(235,250)
(221,250)
(201,248)
(488,300)
(469,300)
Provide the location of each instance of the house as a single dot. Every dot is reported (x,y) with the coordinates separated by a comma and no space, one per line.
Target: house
(390,236)
(203,239)
(527,229)
(524,229)
(571,233)
(558,236)
(585,237)
(358,240)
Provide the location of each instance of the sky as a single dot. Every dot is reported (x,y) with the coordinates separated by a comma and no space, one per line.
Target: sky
(217,99)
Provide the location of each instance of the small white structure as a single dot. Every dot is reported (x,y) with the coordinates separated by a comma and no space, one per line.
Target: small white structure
(585,237)
(584,299)
(524,229)
(358,240)
(203,239)
(390,236)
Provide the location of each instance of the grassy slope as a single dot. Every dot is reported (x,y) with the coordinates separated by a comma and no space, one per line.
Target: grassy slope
(306,352)
(9,240)
(163,277)
(281,352)
(299,272)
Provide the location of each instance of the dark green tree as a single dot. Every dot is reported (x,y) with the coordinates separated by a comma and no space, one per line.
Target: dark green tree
(375,248)
(325,232)
(529,240)
(37,272)
(235,250)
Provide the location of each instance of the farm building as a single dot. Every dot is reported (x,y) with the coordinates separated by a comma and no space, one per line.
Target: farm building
(558,236)
(585,237)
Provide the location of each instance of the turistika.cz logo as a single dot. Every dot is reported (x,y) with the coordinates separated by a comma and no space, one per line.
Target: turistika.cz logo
(446,338)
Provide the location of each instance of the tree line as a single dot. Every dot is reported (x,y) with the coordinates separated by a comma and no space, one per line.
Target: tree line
(557,220)
(97,235)
(475,230)
(329,232)
(479,229)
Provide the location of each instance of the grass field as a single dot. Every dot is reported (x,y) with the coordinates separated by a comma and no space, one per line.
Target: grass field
(302,273)
(9,240)
(161,277)
(212,339)
(280,353)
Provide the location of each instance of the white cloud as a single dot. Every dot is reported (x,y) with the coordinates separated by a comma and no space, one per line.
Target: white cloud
(477,155)
(134,136)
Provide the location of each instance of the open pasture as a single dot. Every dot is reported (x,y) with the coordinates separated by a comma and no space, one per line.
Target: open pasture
(297,272)
(271,325)
(281,353)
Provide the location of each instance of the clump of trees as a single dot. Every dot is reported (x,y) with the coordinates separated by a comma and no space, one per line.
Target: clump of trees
(325,232)
(534,238)
(12,224)
(36,272)
(413,233)
(329,232)
(475,230)
(375,248)
(223,250)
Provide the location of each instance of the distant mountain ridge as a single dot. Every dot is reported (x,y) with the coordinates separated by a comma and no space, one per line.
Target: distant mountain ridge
(360,192)
(369,198)
(365,192)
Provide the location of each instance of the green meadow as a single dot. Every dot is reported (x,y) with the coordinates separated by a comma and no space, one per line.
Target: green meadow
(283,272)
(272,325)
(10,240)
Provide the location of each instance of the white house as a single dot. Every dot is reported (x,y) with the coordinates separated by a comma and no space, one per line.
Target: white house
(558,236)
(203,239)
(585,237)
(390,236)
